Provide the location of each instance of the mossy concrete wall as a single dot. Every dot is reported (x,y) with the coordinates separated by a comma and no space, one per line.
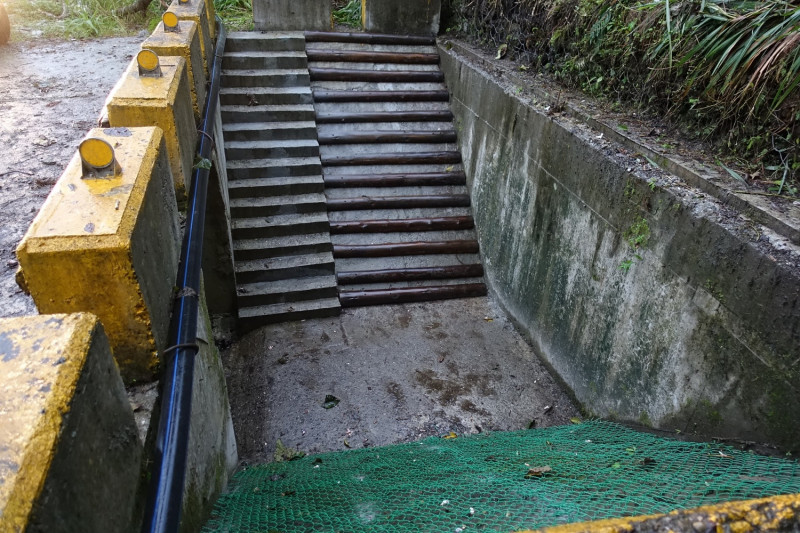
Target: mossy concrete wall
(648,309)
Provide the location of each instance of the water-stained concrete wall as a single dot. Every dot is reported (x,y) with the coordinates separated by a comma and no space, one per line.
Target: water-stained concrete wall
(646,303)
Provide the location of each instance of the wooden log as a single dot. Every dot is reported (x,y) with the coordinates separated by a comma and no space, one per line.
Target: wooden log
(405,224)
(395,180)
(411,294)
(326,96)
(409,274)
(397,202)
(353,56)
(384,136)
(384,116)
(367,38)
(394,249)
(392,158)
(378,76)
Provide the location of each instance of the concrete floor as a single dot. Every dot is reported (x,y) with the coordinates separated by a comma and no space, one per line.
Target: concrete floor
(400,372)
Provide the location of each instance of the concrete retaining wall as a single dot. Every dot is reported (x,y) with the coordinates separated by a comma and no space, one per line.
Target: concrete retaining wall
(651,303)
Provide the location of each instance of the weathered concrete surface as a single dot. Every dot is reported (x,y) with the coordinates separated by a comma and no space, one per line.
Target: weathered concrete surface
(185,44)
(165,102)
(211,454)
(196,11)
(292,15)
(68,442)
(110,246)
(218,240)
(410,17)
(653,302)
(401,373)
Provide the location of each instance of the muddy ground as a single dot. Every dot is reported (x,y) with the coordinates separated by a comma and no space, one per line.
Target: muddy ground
(51,93)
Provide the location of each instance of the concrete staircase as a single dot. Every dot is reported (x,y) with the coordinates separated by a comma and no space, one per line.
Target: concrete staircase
(284,265)
(400,215)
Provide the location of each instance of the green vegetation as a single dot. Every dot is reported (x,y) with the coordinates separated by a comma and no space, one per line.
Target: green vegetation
(80,19)
(348,14)
(724,71)
(237,15)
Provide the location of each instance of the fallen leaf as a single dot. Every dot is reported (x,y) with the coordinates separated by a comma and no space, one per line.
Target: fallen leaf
(575,420)
(346,443)
(501,52)
(284,453)
(538,471)
(523,68)
(450,435)
(330,402)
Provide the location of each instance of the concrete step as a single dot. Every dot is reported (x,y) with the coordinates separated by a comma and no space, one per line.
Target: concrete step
(409,261)
(266,113)
(286,267)
(273,168)
(255,60)
(253,317)
(258,41)
(237,150)
(368,38)
(399,214)
(265,95)
(402,237)
(265,78)
(267,131)
(278,226)
(280,185)
(265,206)
(286,290)
(375,107)
(312,243)
(377,86)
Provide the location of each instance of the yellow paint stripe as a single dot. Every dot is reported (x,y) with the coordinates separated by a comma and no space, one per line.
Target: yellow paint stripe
(764,514)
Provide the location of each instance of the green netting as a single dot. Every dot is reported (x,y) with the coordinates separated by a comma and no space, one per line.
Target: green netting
(497,482)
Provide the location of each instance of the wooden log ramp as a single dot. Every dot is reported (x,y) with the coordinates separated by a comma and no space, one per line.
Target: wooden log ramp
(398,202)
(416,179)
(377,76)
(387,136)
(393,158)
(409,274)
(367,38)
(402,225)
(329,96)
(352,56)
(384,116)
(394,249)
(411,294)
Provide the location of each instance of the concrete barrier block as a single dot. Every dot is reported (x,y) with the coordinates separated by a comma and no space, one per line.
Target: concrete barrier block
(165,102)
(110,246)
(196,11)
(292,15)
(186,44)
(413,17)
(70,454)
(211,456)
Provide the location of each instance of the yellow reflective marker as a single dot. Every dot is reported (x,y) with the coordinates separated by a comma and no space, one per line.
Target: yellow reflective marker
(170,21)
(97,158)
(148,63)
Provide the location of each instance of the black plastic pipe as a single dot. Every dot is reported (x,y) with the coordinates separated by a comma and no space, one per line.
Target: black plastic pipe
(165,499)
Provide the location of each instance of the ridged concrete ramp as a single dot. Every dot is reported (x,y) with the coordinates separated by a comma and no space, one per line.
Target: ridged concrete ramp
(282,248)
(364,169)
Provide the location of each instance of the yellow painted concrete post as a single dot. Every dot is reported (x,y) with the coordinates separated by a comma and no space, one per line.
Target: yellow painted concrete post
(186,44)
(110,245)
(164,101)
(70,454)
(195,11)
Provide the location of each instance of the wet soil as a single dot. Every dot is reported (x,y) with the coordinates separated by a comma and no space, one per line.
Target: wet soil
(382,375)
(51,93)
